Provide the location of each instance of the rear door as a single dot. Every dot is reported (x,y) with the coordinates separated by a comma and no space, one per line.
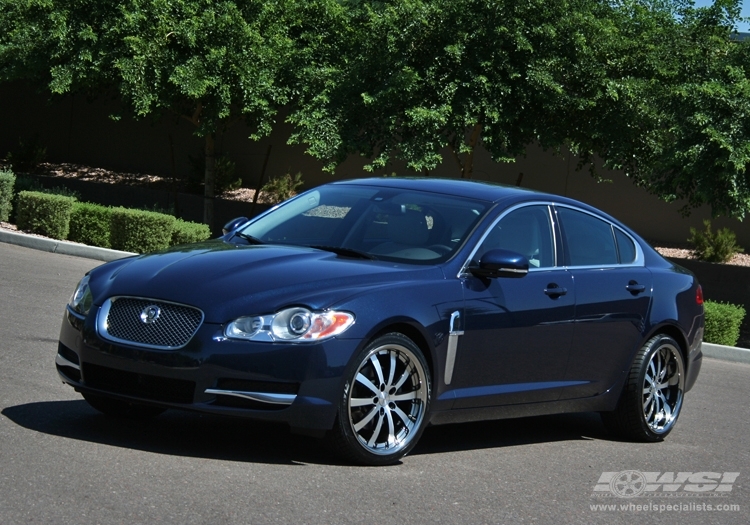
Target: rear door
(613,295)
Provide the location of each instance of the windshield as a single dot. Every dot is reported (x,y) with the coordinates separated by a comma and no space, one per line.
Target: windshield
(388,224)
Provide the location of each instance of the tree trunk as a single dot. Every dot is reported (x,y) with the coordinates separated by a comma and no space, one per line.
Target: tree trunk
(209,182)
(468,170)
(466,167)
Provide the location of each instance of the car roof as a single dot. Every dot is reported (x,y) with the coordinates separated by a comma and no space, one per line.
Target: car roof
(484,191)
(472,189)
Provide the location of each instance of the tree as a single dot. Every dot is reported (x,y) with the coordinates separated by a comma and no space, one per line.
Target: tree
(212,63)
(676,118)
(421,76)
(652,87)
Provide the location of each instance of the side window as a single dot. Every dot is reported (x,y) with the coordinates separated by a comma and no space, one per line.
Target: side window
(625,247)
(589,241)
(526,231)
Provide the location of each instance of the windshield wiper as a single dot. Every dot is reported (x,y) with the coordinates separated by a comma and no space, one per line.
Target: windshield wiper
(346,252)
(249,238)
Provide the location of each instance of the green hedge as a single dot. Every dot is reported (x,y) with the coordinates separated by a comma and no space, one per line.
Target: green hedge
(723,322)
(185,232)
(90,224)
(7,182)
(140,231)
(44,213)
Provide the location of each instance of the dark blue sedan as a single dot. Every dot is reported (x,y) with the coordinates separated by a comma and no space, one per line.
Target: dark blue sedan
(365,310)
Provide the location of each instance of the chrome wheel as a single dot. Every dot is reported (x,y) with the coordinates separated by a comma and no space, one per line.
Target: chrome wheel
(663,385)
(651,399)
(385,402)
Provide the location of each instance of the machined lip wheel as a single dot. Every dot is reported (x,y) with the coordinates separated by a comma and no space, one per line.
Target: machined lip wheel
(388,399)
(663,387)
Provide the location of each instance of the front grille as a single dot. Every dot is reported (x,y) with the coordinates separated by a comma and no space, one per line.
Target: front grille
(138,385)
(147,322)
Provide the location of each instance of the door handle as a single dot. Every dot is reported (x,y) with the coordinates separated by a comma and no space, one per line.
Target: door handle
(555,291)
(635,288)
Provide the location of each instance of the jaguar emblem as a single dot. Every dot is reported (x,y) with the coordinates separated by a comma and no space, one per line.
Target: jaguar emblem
(150,314)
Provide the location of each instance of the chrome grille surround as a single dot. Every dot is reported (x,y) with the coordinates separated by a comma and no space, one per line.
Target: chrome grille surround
(130,320)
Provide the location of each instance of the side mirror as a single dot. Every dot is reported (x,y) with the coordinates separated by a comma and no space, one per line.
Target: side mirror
(501,263)
(233,224)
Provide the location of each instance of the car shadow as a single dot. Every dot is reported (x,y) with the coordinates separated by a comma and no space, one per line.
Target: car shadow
(512,432)
(214,437)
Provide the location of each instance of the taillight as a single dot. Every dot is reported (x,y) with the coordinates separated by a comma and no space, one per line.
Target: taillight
(699,295)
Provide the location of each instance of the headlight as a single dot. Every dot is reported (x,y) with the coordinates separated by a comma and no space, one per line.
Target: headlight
(292,324)
(81,300)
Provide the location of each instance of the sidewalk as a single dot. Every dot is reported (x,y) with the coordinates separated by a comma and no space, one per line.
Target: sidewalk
(725,353)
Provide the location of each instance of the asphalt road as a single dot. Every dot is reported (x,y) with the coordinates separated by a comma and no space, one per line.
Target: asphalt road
(62,462)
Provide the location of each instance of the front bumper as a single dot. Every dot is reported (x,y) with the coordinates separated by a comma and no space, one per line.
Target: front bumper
(298,384)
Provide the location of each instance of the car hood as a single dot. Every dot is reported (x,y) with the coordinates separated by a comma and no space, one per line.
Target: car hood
(226,280)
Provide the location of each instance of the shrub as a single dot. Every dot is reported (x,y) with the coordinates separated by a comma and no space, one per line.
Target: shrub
(140,231)
(723,322)
(7,182)
(90,224)
(281,188)
(714,247)
(44,213)
(185,232)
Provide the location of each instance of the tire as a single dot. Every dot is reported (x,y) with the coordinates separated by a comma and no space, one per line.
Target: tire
(651,400)
(121,409)
(384,403)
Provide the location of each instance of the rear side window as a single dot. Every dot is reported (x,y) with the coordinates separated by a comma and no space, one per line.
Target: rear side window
(589,241)
(625,247)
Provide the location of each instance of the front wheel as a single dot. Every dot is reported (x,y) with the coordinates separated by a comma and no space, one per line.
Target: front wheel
(385,400)
(652,398)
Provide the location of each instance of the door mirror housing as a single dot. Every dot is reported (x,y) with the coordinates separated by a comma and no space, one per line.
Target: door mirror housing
(501,263)
(233,224)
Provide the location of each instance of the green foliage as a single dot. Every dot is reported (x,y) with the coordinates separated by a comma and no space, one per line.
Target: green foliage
(714,247)
(723,321)
(671,101)
(28,155)
(656,88)
(7,183)
(44,213)
(90,224)
(224,178)
(140,231)
(185,232)
(281,188)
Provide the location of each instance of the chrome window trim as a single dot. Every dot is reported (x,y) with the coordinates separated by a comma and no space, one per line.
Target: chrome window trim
(463,272)
(101,322)
(640,259)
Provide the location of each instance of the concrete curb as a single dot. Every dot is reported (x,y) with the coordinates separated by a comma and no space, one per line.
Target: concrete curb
(66,248)
(726,353)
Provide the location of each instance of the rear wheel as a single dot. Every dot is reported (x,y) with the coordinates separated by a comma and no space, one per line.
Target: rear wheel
(383,409)
(121,409)
(652,398)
